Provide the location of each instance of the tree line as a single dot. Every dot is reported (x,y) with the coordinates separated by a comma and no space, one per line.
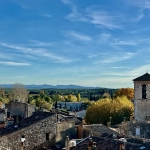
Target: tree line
(102,103)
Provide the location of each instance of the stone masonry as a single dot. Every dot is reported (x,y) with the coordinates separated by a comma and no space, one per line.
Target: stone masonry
(37,129)
(20,109)
(141,105)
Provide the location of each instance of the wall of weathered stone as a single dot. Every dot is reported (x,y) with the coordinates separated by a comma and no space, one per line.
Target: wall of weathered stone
(129,128)
(35,135)
(65,129)
(20,109)
(141,109)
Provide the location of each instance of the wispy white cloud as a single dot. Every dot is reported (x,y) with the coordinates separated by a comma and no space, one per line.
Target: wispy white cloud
(122,78)
(13,77)
(94,16)
(78,36)
(40,52)
(117,67)
(9,63)
(66,1)
(75,15)
(139,16)
(91,55)
(41,44)
(118,57)
(122,42)
(138,71)
(143,4)
(103,19)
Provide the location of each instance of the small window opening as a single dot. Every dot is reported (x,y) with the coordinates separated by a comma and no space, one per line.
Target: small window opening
(144,91)
(47,136)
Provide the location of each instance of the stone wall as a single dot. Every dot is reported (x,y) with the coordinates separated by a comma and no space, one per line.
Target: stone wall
(65,129)
(129,128)
(35,135)
(20,109)
(141,109)
(144,129)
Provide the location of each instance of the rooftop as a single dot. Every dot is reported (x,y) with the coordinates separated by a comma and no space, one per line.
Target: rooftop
(36,117)
(105,143)
(145,77)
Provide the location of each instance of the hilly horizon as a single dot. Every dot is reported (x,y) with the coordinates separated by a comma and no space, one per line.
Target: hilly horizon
(48,86)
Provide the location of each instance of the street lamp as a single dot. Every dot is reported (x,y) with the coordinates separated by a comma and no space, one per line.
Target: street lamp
(22,142)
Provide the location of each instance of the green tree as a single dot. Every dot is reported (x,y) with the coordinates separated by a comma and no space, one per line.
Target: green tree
(78,97)
(102,110)
(128,92)
(47,99)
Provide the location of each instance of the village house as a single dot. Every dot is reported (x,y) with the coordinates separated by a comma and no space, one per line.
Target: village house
(32,133)
(22,109)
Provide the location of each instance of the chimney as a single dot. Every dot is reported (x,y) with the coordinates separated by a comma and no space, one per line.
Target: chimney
(90,144)
(75,115)
(67,146)
(35,109)
(108,124)
(124,120)
(5,117)
(94,146)
(3,105)
(73,145)
(73,148)
(80,131)
(41,109)
(121,146)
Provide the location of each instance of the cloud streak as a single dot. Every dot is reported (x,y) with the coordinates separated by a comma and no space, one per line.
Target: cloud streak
(103,19)
(78,36)
(94,16)
(10,63)
(119,57)
(40,52)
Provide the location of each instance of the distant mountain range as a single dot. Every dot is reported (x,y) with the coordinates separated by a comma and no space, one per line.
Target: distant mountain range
(47,86)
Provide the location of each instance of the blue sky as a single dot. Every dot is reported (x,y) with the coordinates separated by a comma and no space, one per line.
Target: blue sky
(83,42)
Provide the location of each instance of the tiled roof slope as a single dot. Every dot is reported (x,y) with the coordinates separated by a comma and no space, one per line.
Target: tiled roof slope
(26,122)
(145,77)
(104,143)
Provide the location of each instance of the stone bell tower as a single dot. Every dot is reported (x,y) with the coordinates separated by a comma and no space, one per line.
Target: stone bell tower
(142,98)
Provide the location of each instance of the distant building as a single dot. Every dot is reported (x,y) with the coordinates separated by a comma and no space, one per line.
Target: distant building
(21,109)
(72,106)
(142,98)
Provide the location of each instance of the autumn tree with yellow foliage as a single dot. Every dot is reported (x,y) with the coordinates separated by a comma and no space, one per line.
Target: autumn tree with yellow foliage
(101,110)
(128,92)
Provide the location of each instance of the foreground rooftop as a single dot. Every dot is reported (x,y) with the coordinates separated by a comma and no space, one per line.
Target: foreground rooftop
(36,117)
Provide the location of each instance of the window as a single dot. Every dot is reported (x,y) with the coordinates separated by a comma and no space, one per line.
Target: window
(47,136)
(144,89)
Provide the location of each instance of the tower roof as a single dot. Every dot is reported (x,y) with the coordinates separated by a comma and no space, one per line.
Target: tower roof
(144,77)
